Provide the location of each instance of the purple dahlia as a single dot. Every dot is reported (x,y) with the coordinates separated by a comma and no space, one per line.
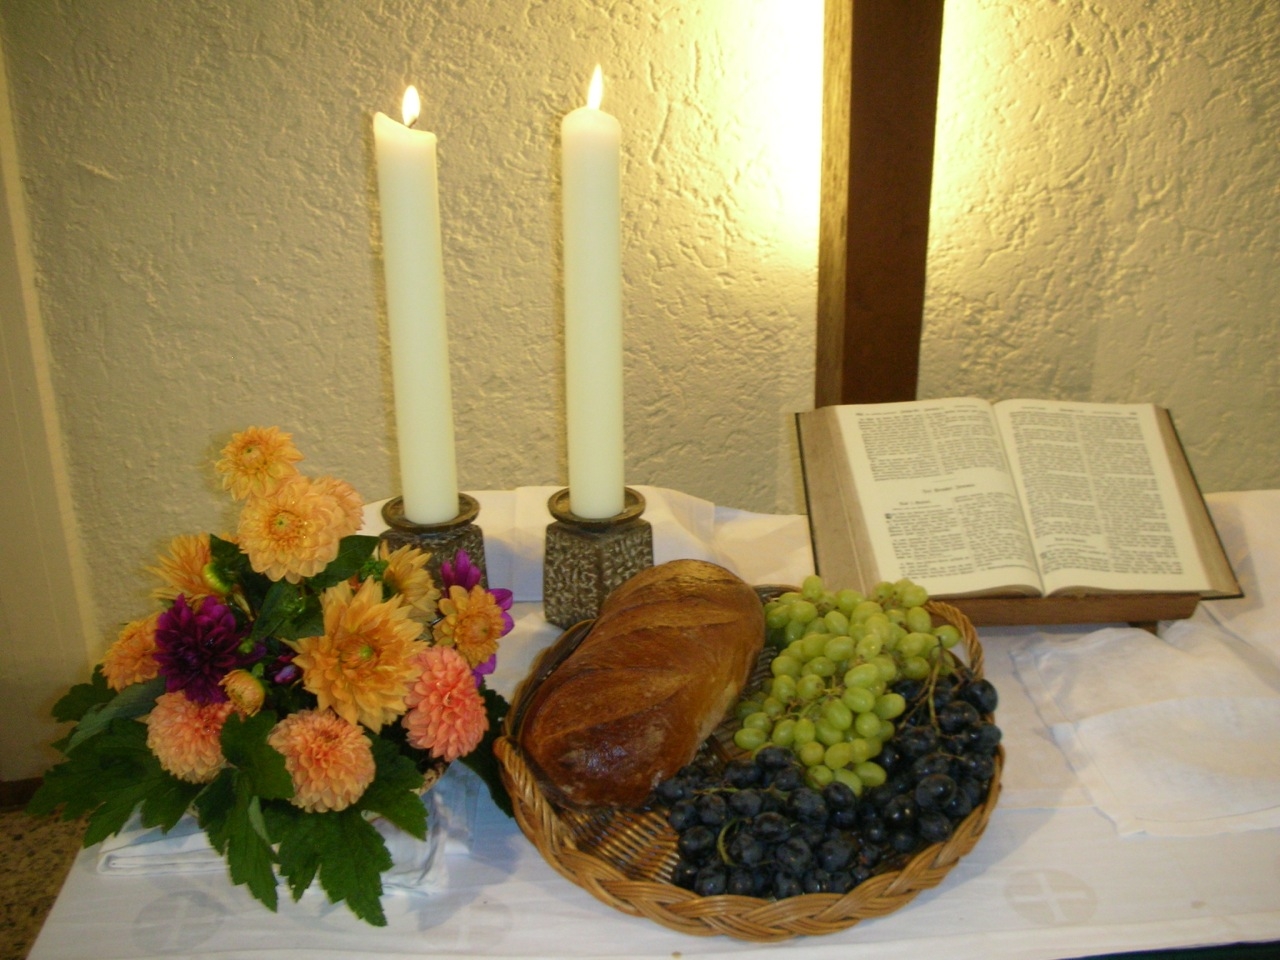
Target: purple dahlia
(197,646)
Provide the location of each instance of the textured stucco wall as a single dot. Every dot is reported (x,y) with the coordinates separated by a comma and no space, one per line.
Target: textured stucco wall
(1106,216)
(202,197)
(200,188)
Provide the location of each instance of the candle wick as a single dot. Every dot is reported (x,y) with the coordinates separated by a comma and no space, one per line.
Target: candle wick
(412,123)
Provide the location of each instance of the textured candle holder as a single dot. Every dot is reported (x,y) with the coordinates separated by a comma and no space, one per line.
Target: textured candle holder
(585,559)
(442,540)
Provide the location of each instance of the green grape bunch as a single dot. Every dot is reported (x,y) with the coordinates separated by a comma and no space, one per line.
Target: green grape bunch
(828,699)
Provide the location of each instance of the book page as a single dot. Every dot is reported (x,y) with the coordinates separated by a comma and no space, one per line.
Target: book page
(938,496)
(1101,500)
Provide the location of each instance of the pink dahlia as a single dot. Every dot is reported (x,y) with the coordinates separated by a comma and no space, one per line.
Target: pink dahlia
(446,713)
(329,759)
(186,737)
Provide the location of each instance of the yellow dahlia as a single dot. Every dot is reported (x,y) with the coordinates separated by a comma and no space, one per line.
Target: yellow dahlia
(186,736)
(362,666)
(181,570)
(407,575)
(473,623)
(294,531)
(131,659)
(329,759)
(245,691)
(446,712)
(256,461)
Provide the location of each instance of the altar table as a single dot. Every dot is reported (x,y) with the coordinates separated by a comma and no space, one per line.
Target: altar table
(1051,877)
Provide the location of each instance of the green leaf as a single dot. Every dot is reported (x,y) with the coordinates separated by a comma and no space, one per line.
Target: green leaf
(77,701)
(394,791)
(132,701)
(167,801)
(283,602)
(214,806)
(298,851)
(229,813)
(260,766)
(353,551)
(345,851)
(482,760)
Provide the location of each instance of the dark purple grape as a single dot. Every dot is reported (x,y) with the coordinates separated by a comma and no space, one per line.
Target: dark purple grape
(900,812)
(935,791)
(745,849)
(931,765)
(712,809)
(807,804)
(712,880)
(742,773)
(982,694)
(793,856)
(774,758)
(742,882)
(682,815)
(696,843)
(957,715)
(839,796)
(933,827)
(669,791)
(684,873)
(785,885)
(746,803)
(770,827)
(903,841)
(787,779)
(835,855)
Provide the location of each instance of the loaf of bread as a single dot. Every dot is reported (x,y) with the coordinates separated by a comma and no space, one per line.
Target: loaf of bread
(667,657)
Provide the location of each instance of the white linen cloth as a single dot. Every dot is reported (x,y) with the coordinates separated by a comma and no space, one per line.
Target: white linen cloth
(1172,735)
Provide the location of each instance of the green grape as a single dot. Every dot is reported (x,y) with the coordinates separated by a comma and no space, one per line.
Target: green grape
(915,668)
(819,775)
(883,593)
(871,774)
(820,666)
(773,708)
(850,780)
(866,725)
(888,667)
(865,609)
(813,645)
(947,635)
(919,620)
(887,731)
(880,624)
(793,631)
(837,622)
(863,675)
(839,648)
(838,755)
(896,615)
(776,615)
(748,738)
(758,721)
(837,714)
(811,588)
(745,708)
(789,597)
(858,699)
(803,733)
(784,665)
(913,645)
(888,706)
(784,732)
(816,627)
(803,610)
(810,687)
(847,599)
(868,646)
(860,750)
(783,687)
(912,594)
(826,734)
(811,753)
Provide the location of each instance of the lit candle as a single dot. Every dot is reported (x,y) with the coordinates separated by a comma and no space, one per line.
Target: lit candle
(414,271)
(591,174)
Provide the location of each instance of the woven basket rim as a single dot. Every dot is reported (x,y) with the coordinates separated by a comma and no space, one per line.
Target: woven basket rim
(571,841)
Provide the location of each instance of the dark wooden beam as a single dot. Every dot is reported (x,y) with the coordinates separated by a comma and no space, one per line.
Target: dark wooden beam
(879,112)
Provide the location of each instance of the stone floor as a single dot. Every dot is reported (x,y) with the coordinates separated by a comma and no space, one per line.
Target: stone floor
(36,853)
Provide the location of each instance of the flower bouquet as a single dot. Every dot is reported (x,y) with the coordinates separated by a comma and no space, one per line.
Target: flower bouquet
(297,681)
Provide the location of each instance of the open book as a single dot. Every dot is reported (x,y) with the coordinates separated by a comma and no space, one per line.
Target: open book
(1021,498)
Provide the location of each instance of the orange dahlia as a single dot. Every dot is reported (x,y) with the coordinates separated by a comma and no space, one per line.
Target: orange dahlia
(329,759)
(446,712)
(186,736)
(407,575)
(256,461)
(131,659)
(362,666)
(472,623)
(245,691)
(181,571)
(294,531)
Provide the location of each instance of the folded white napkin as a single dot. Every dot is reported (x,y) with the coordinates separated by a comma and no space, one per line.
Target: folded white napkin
(1173,735)
(418,866)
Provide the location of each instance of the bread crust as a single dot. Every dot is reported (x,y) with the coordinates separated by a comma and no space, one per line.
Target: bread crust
(667,657)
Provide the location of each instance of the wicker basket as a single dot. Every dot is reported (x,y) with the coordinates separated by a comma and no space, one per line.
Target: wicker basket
(625,857)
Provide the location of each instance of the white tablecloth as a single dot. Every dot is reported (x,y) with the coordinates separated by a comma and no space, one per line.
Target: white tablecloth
(1051,877)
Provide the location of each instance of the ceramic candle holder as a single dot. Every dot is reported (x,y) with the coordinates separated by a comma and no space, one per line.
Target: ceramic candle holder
(442,540)
(586,559)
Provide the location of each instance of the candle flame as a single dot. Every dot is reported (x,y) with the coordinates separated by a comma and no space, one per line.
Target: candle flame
(411,106)
(595,92)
